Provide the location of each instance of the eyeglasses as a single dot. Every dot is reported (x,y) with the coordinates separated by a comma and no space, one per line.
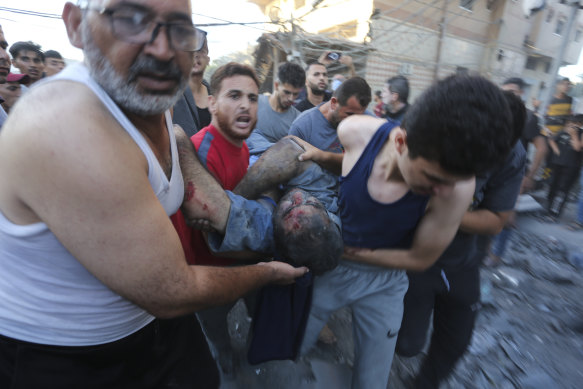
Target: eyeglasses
(138,25)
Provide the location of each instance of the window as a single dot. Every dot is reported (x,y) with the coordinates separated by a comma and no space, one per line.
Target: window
(561,20)
(578,34)
(299,3)
(468,5)
(530,63)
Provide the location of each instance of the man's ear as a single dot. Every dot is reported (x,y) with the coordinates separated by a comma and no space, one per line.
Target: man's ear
(333,103)
(400,140)
(72,18)
(212,105)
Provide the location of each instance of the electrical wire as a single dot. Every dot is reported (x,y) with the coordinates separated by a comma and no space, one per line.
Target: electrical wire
(30,13)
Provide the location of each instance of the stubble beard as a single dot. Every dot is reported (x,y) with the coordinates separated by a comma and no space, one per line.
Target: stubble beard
(316,90)
(225,126)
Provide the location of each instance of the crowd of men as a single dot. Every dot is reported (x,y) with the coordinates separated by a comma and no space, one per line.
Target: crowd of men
(138,202)
(32,64)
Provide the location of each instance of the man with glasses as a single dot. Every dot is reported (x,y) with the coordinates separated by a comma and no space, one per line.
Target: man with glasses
(96,291)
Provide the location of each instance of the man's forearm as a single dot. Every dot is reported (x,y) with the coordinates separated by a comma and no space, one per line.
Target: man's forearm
(392,258)
(206,286)
(277,165)
(204,198)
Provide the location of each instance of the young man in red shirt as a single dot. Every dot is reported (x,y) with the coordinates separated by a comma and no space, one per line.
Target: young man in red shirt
(221,148)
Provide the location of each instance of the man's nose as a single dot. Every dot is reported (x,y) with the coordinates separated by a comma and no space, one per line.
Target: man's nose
(245,102)
(160,46)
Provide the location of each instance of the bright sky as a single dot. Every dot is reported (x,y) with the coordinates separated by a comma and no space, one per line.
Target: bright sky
(51,35)
(50,32)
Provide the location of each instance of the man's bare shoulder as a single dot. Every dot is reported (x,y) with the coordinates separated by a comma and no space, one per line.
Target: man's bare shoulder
(55,104)
(356,131)
(62,113)
(61,133)
(458,200)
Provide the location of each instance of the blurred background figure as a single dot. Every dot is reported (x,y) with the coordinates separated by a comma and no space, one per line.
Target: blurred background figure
(29,59)
(54,62)
(558,111)
(191,111)
(337,80)
(395,97)
(565,161)
(379,108)
(11,90)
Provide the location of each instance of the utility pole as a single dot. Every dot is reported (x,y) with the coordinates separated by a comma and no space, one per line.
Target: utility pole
(559,58)
(442,28)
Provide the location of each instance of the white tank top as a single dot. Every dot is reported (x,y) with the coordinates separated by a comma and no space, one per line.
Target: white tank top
(46,295)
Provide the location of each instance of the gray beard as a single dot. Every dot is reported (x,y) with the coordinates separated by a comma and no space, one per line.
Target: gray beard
(125,91)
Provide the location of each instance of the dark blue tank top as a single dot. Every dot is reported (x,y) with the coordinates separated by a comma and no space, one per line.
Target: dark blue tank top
(367,222)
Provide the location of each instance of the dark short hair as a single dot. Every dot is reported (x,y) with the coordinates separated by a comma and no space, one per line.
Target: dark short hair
(313,62)
(457,122)
(518,111)
(516,81)
(229,70)
(400,85)
(17,47)
(291,73)
(315,241)
(53,54)
(354,86)
(378,93)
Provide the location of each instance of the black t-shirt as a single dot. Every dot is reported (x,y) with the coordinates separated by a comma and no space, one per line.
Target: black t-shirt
(495,191)
(305,104)
(568,156)
(398,116)
(204,116)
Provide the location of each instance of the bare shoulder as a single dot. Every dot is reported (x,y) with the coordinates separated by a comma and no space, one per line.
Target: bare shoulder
(357,130)
(55,113)
(61,139)
(457,203)
(63,114)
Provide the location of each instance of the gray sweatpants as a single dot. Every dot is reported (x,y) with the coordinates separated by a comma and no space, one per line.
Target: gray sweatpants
(375,296)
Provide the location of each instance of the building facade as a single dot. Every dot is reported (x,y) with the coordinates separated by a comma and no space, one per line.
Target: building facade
(425,40)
